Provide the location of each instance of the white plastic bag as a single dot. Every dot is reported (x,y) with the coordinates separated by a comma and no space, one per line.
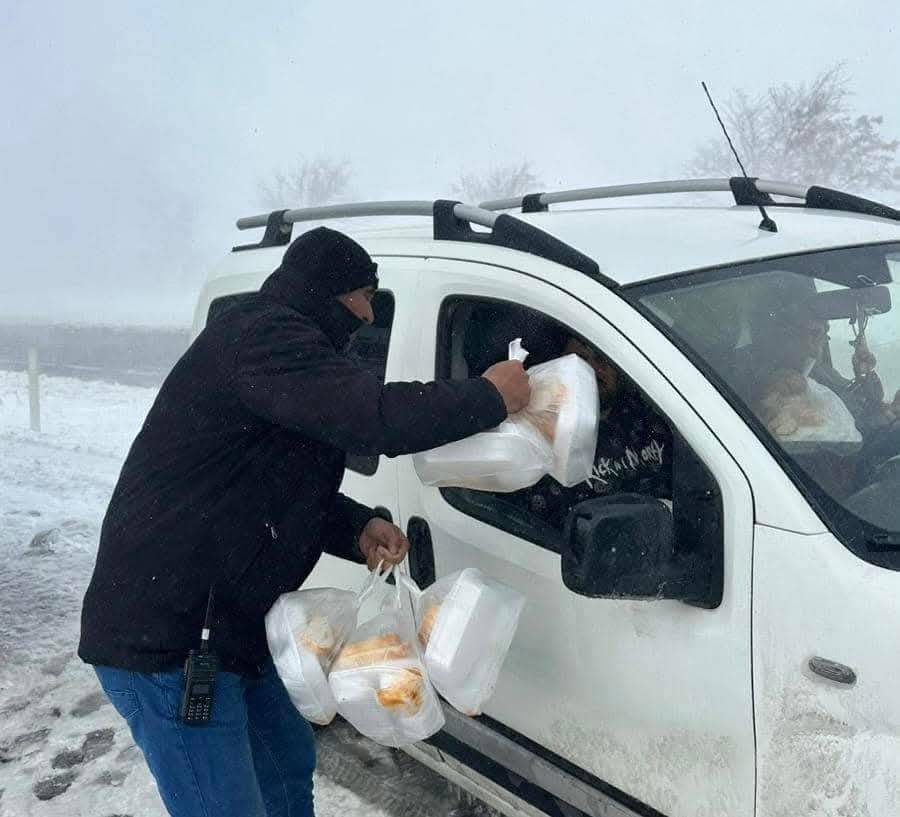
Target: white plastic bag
(379,682)
(305,630)
(564,407)
(466,623)
(556,433)
(809,412)
(508,458)
(512,456)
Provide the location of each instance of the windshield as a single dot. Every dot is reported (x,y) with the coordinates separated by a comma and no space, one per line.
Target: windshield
(808,348)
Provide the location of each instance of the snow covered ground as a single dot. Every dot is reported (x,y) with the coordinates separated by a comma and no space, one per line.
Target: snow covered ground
(63,749)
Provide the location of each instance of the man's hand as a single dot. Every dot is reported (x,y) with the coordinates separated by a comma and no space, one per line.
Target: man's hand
(864,362)
(383,541)
(511,381)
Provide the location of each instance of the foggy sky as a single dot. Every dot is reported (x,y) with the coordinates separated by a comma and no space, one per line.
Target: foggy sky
(135,133)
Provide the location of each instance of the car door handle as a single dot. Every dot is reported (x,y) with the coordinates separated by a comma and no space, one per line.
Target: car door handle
(421,552)
(383,513)
(833,671)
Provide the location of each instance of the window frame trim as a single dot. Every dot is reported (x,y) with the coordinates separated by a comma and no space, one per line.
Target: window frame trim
(377,458)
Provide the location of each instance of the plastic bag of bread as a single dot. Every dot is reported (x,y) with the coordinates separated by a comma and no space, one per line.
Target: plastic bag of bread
(305,630)
(556,434)
(564,408)
(797,409)
(379,681)
(466,623)
(510,457)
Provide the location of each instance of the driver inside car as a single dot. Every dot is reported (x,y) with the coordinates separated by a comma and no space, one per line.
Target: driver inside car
(831,425)
(793,405)
(801,396)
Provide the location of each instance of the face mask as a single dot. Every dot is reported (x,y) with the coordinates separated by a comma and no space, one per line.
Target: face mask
(339,323)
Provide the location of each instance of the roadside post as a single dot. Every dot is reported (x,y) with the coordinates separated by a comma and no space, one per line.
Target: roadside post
(34,389)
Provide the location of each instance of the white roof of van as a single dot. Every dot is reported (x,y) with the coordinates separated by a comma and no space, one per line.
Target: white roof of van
(635,244)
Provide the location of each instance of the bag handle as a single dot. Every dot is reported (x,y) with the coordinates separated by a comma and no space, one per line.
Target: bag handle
(516,351)
(377,579)
(374,581)
(409,583)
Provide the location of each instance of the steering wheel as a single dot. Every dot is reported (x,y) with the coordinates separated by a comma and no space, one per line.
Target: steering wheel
(876,503)
(880,450)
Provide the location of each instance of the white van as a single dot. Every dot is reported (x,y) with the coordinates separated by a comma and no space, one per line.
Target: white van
(742,659)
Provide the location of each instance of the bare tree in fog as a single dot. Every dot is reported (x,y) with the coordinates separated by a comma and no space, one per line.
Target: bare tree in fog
(501,182)
(310,183)
(804,133)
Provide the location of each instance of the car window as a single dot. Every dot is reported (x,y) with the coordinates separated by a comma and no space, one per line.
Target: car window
(635,444)
(807,347)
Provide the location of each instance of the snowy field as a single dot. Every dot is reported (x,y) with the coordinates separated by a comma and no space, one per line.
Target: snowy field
(63,749)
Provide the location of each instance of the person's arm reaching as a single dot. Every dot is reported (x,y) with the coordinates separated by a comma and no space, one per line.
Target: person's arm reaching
(288,373)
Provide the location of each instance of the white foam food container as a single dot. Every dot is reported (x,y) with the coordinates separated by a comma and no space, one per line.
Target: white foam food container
(508,458)
(473,620)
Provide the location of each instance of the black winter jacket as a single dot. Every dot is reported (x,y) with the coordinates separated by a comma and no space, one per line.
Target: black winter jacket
(233,481)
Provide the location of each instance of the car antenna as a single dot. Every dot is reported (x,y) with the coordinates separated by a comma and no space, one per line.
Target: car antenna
(766,223)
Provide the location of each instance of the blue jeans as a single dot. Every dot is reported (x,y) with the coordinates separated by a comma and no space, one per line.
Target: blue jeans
(255,758)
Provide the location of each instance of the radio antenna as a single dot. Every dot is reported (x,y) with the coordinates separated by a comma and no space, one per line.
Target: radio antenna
(766,223)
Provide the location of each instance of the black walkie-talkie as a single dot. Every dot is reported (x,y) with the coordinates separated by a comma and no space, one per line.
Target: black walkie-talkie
(200,676)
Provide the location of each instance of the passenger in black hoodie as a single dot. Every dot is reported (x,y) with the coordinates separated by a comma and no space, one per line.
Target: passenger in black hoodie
(233,483)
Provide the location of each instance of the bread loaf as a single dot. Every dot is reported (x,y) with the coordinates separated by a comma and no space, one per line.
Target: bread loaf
(787,406)
(544,408)
(427,624)
(406,694)
(316,637)
(374,650)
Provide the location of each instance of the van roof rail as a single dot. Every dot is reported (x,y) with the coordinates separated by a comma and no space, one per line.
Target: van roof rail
(752,191)
(452,221)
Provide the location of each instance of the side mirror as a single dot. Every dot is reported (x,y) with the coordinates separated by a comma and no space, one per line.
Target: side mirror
(623,546)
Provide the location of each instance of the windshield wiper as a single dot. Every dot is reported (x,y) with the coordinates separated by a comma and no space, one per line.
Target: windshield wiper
(882,542)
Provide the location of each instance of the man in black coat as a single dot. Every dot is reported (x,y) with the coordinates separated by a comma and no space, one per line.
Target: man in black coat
(232,484)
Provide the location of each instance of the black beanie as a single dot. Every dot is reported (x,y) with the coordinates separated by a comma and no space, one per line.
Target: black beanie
(317,266)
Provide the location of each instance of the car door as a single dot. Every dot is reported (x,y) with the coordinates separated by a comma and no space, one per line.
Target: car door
(652,698)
